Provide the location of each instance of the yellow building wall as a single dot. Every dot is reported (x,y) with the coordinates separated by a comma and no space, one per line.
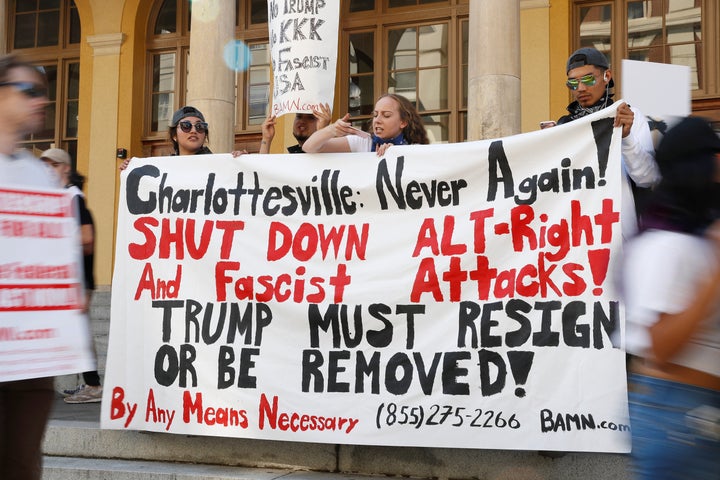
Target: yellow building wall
(544,46)
(111,113)
(560,48)
(97,129)
(534,65)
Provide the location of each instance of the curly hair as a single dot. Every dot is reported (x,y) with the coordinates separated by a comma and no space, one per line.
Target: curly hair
(414,132)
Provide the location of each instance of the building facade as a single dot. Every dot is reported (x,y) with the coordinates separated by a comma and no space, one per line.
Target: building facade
(118,69)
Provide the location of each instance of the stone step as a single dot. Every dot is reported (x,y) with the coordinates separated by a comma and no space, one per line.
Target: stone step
(74,468)
(67,442)
(81,438)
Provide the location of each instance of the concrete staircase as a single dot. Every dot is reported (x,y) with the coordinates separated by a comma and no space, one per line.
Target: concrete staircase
(63,468)
(77,449)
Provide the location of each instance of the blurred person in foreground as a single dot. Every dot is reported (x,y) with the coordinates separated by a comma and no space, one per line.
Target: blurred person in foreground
(589,80)
(59,160)
(24,404)
(304,125)
(671,281)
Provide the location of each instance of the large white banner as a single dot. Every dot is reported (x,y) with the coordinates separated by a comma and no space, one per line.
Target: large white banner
(42,329)
(303,43)
(453,295)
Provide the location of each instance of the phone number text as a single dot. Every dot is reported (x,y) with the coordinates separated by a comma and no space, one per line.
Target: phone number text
(392,414)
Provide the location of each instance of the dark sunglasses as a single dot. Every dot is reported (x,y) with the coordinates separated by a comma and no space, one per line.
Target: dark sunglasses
(574,83)
(29,89)
(200,127)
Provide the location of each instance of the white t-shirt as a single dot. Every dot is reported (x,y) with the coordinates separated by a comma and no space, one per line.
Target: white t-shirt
(358,143)
(75,190)
(23,169)
(662,273)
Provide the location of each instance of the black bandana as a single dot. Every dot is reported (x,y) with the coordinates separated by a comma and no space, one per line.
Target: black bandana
(576,111)
(295,149)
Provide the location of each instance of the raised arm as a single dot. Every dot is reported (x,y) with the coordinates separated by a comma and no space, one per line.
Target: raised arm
(330,139)
(637,147)
(323,114)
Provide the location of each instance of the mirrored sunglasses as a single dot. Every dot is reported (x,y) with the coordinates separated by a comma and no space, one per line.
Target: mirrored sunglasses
(200,127)
(588,80)
(29,89)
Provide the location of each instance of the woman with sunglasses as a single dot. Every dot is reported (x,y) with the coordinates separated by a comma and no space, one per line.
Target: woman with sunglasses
(589,80)
(188,133)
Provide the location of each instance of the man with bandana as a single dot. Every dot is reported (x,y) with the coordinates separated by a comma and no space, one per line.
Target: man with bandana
(589,79)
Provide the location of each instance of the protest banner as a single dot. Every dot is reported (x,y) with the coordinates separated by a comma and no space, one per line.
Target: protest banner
(303,44)
(453,295)
(43,332)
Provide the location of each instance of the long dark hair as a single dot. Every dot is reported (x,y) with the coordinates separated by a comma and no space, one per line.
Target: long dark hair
(77,179)
(688,196)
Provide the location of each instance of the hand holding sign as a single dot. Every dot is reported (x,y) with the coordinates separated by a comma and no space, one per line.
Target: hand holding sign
(323,113)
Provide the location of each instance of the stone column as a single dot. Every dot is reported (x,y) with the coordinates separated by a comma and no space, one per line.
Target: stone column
(494,69)
(101,144)
(211,83)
